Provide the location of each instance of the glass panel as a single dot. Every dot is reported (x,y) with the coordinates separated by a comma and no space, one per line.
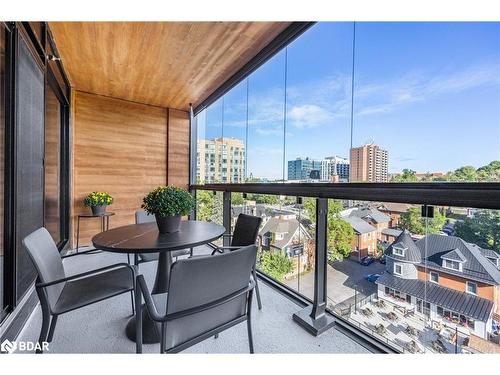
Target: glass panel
(209,207)
(235,134)
(266,106)
(319,76)
(2,153)
(423,90)
(52,164)
(286,238)
(210,145)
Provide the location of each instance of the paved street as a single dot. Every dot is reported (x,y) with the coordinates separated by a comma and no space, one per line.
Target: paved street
(342,279)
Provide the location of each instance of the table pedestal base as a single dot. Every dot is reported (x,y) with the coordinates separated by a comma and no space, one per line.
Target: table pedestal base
(150,329)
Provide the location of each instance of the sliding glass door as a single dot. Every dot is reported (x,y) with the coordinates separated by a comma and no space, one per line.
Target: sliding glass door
(2,164)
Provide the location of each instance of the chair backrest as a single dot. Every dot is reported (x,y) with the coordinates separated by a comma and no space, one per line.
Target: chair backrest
(246,230)
(48,263)
(143,217)
(201,280)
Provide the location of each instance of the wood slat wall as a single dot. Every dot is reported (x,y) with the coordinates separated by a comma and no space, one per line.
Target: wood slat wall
(178,148)
(121,147)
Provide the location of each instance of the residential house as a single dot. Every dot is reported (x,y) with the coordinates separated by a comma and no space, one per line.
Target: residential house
(368,224)
(280,234)
(446,279)
(394,210)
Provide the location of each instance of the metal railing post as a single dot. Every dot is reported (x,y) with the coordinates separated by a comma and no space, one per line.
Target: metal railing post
(314,318)
(226,216)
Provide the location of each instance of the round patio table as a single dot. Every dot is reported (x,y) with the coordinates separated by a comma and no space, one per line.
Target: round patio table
(145,238)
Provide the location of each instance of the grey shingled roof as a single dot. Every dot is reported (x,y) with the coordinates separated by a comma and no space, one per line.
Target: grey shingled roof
(391,232)
(366,212)
(476,267)
(412,252)
(277,225)
(489,253)
(454,255)
(359,225)
(469,305)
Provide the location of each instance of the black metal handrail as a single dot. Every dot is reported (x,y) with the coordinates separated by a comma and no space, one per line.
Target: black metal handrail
(459,194)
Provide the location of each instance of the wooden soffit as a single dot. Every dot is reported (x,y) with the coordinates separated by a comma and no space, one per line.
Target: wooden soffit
(167,64)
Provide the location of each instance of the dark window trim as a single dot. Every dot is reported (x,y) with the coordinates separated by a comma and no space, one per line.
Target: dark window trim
(294,30)
(9,253)
(467,194)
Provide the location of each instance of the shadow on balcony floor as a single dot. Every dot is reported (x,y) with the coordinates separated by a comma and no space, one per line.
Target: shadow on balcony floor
(99,328)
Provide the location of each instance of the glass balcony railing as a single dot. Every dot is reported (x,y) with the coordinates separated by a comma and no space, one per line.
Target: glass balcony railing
(416,278)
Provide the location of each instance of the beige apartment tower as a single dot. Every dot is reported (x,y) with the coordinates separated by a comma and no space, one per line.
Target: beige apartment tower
(369,163)
(220,160)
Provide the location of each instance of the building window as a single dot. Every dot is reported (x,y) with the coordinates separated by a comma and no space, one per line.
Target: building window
(398,251)
(451,264)
(470,287)
(434,277)
(440,311)
(398,269)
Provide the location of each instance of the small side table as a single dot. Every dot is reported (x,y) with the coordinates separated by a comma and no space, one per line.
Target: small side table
(104,224)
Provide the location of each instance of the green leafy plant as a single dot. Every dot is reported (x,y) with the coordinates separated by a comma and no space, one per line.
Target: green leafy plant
(276,265)
(97,198)
(167,201)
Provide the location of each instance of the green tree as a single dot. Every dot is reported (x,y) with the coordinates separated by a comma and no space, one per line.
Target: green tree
(340,234)
(237,199)
(204,205)
(483,229)
(490,172)
(413,221)
(408,175)
(263,198)
(467,173)
(209,206)
(276,265)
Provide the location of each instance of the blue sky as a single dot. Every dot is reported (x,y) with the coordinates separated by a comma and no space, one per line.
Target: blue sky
(429,93)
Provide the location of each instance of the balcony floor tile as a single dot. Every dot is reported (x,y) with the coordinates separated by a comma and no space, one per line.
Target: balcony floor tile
(99,328)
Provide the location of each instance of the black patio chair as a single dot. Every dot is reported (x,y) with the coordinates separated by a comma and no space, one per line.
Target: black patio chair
(143,217)
(245,233)
(207,295)
(59,294)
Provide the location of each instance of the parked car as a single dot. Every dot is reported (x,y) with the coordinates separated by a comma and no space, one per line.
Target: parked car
(382,259)
(367,260)
(372,277)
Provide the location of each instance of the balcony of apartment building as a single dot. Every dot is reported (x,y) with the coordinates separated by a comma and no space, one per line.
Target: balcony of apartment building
(125,107)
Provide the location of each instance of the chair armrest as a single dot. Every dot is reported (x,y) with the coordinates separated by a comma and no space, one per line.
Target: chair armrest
(210,305)
(89,273)
(142,288)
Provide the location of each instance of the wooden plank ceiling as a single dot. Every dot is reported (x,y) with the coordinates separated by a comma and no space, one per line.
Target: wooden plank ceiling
(167,64)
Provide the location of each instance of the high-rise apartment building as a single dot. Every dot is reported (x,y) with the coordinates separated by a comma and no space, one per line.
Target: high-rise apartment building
(338,169)
(369,163)
(220,160)
(300,168)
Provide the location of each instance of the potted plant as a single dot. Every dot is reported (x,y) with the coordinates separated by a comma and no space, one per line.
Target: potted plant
(98,201)
(168,204)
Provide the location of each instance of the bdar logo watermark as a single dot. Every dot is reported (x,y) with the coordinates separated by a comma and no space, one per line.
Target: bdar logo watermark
(8,346)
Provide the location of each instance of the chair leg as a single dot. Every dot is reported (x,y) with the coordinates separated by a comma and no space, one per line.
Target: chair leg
(259,303)
(138,321)
(52,328)
(45,327)
(163,337)
(132,300)
(128,259)
(249,322)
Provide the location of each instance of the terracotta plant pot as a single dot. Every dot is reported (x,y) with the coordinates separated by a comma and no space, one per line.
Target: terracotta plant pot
(98,210)
(168,224)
